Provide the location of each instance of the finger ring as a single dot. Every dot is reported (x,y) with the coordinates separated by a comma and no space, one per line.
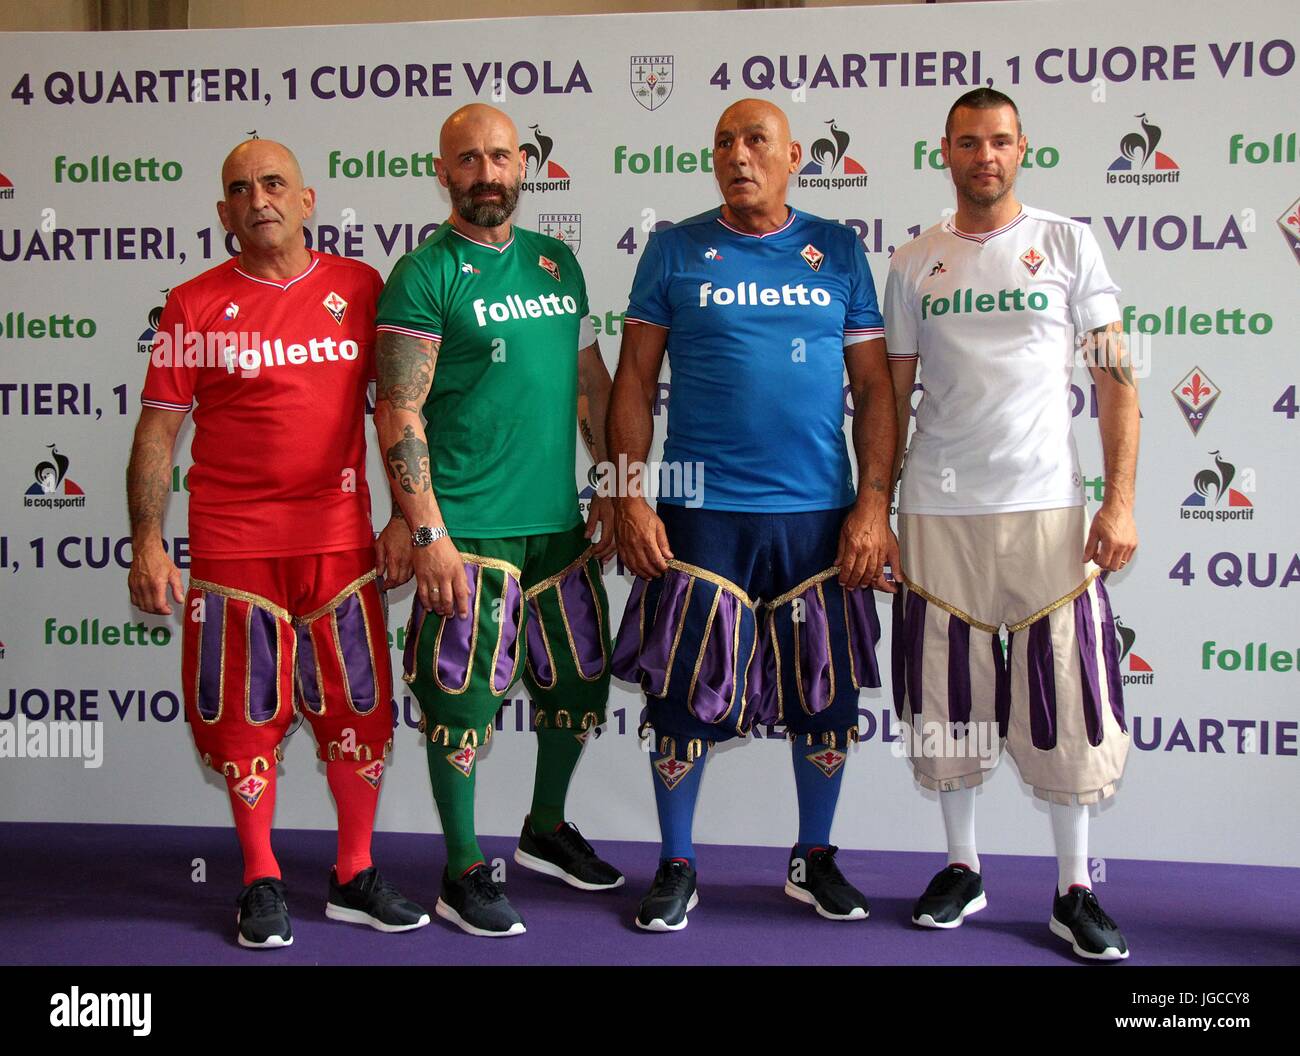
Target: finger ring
(434,590)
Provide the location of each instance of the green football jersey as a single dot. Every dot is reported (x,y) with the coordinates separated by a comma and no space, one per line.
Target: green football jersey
(501,416)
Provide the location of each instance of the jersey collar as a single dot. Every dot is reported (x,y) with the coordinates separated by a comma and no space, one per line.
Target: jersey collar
(747,234)
(487,245)
(981,239)
(315,259)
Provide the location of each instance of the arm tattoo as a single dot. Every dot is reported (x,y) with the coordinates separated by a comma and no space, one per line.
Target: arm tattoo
(408,463)
(1106,348)
(147,483)
(404,368)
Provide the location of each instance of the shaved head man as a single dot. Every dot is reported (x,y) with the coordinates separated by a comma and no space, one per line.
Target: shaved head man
(286,574)
(487,361)
(770,561)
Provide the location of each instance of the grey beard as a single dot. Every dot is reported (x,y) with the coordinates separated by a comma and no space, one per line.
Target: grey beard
(487,214)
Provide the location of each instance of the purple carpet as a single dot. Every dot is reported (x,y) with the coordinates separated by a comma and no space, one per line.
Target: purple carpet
(123,894)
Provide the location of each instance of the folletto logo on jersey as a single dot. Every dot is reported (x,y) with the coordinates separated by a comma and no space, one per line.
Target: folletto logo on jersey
(566,227)
(1289,222)
(1214,499)
(541,174)
(516,307)
(53,489)
(751,294)
(651,80)
(1137,671)
(967,301)
(1196,396)
(829,166)
(1139,161)
(6,188)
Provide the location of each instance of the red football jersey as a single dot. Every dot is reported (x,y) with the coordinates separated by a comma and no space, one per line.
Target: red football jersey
(276,373)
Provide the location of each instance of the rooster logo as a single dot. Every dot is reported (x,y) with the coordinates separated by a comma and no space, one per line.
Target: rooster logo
(1138,148)
(1211,486)
(538,154)
(829,153)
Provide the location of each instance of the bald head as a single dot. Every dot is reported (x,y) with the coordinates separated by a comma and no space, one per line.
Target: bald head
(753,157)
(481,166)
(262,154)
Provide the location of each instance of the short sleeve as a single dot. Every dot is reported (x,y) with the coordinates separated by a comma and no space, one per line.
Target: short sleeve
(649,302)
(862,320)
(169,381)
(900,317)
(411,303)
(1093,301)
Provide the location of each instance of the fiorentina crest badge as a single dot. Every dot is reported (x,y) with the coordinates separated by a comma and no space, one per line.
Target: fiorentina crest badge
(651,80)
(250,789)
(1195,395)
(671,771)
(1289,222)
(372,772)
(828,760)
(550,267)
(813,256)
(1032,259)
(567,227)
(336,306)
(463,759)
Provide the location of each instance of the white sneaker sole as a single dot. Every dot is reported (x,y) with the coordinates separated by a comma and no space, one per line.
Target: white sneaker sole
(1110,953)
(800,895)
(360,916)
(447,913)
(973,906)
(274,942)
(659,924)
(541,865)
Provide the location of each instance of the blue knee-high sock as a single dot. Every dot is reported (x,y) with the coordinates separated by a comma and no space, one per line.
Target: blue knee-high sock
(817,793)
(676,808)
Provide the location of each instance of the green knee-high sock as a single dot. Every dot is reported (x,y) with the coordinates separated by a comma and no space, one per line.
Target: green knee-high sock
(557,756)
(453,791)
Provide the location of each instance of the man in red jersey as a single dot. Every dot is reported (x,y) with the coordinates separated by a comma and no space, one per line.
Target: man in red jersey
(274,350)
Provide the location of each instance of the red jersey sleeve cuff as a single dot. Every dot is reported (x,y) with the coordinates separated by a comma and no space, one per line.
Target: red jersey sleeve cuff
(166,405)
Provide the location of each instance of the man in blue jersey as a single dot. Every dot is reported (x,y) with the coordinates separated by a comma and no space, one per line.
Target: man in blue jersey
(753,600)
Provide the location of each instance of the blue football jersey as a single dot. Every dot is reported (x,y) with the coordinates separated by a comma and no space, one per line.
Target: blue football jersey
(757,327)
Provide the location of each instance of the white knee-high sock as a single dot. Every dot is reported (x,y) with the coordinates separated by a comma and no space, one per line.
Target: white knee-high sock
(959,822)
(1070,831)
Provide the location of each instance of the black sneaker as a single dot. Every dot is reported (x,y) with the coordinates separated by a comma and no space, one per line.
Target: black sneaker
(263,915)
(370,899)
(476,905)
(1077,917)
(953,895)
(671,897)
(564,853)
(824,886)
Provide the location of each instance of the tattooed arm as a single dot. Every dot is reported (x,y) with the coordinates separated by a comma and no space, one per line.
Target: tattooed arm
(866,541)
(404,367)
(1112,539)
(594,386)
(148,482)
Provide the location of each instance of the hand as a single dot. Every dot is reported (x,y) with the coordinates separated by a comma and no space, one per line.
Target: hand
(641,538)
(152,572)
(440,578)
(866,544)
(1112,539)
(393,553)
(601,514)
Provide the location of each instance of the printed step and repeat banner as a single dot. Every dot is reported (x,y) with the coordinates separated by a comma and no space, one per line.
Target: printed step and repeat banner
(1174,139)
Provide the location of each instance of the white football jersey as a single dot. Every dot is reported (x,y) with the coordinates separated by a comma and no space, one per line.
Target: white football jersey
(993,319)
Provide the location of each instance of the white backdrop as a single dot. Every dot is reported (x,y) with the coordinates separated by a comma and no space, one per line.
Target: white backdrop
(1197,222)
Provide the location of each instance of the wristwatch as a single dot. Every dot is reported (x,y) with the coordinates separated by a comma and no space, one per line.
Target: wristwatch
(426,536)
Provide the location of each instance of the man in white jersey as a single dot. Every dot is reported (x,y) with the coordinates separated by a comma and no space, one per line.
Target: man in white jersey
(992,304)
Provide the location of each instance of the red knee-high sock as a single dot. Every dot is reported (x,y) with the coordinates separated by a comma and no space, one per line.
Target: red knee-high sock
(356,796)
(252,801)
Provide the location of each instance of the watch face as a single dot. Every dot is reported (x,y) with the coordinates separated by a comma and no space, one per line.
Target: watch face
(422,536)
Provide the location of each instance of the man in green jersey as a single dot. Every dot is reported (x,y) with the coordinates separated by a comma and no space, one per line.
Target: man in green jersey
(485,357)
